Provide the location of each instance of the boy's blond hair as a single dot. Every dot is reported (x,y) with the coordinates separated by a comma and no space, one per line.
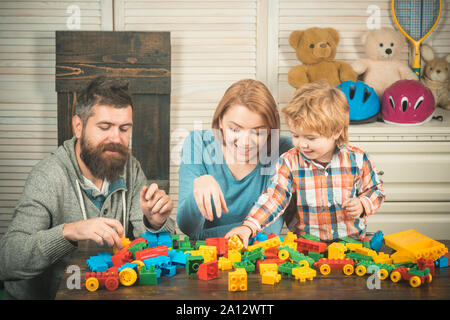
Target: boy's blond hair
(318,107)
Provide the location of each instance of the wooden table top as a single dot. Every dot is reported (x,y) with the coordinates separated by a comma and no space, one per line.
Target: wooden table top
(181,287)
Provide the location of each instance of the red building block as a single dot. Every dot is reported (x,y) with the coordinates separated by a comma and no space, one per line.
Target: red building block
(271,253)
(161,250)
(219,243)
(208,270)
(422,263)
(121,257)
(110,280)
(305,245)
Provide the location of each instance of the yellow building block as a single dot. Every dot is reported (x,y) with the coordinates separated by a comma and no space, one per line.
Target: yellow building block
(125,242)
(209,250)
(382,257)
(225,264)
(234,256)
(235,243)
(264,267)
(353,246)
(366,251)
(237,280)
(402,257)
(416,245)
(304,273)
(270,277)
(336,250)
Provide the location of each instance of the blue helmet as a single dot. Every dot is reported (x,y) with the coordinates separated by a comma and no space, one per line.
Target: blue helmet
(363,101)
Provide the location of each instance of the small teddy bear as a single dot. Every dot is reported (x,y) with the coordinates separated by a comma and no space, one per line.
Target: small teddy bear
(383,66)
(436,75)
(316,49)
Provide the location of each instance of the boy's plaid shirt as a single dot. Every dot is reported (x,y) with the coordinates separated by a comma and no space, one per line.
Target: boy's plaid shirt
(320,193)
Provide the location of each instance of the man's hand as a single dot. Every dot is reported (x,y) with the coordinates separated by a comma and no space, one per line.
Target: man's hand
(156,205)
(99,230)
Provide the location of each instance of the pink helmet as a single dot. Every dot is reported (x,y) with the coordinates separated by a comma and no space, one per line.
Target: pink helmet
(407,102)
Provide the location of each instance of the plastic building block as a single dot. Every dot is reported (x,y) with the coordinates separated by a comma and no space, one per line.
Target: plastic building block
(416,245)
(192,264)
(234,255)
(219,243)
(366,251)
(426,263)
(164,239)
(159,261)
(382,257)
(363,267)
(247,265)
(310,237)
(268,267)
(294,256)
(271,253)
(412,277)
(208,252)
(125,242)
(377,241)
(325,266)
(315,255)
(270,277)
(152,239)
(235,243)
(349,240)
(304,273)
(185,245)
(208,270)
(358,257)
(199,243)
(441,262)
(286,268)
(257,254)
(259,263)
(127,276)
(93,280)
(147,275)
(137,247)
(402,257)
(169,270)
(262,236)
(152,252)
(237,280)
(353,246)
(270,243)
(99,263)
(336,250)
(310,245)
(178,257)
(121,257)
(225,264)
(366,243)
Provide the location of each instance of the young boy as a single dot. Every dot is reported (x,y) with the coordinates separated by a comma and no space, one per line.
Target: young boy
(337,186)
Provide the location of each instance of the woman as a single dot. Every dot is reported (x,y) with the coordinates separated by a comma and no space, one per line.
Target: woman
(224,170)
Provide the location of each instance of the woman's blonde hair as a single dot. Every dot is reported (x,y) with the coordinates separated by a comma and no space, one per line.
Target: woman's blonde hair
(319,108)
(252,94)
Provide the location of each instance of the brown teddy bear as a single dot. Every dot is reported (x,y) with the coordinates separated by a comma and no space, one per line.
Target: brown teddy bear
(435,76)
(383,66)
(316,49)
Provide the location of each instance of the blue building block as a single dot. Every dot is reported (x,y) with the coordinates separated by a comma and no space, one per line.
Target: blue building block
(158,261)
(377,241)
(131,265)
(169,271)
(100,262)
(178,257)
(442,262)
(152,239)
(164,238)
(261,237)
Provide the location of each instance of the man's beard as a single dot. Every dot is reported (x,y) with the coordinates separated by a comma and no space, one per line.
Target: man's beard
(100,165)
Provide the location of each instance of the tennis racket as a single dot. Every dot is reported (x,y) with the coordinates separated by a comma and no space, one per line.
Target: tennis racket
(416,19)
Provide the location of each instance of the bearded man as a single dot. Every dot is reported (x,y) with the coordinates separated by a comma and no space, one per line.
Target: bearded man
(90,188)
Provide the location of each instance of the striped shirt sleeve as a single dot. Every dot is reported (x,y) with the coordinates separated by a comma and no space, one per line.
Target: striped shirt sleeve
(275,198)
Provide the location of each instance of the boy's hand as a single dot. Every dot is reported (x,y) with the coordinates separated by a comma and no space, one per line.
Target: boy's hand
(353,208)
(244,232)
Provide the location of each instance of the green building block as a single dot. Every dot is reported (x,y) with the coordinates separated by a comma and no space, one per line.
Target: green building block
(421,273)
(199,243)
(349,240)
(185,245)
(147,276)
(286,268)
(137,247)
(257,254)
(315,256)
(192,264)
(310,237)
(247,265)
(358,257)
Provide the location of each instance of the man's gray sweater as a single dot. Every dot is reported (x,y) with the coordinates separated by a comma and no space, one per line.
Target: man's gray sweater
(33,252)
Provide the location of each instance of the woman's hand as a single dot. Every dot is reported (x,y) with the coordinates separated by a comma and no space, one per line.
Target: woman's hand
(205,188)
